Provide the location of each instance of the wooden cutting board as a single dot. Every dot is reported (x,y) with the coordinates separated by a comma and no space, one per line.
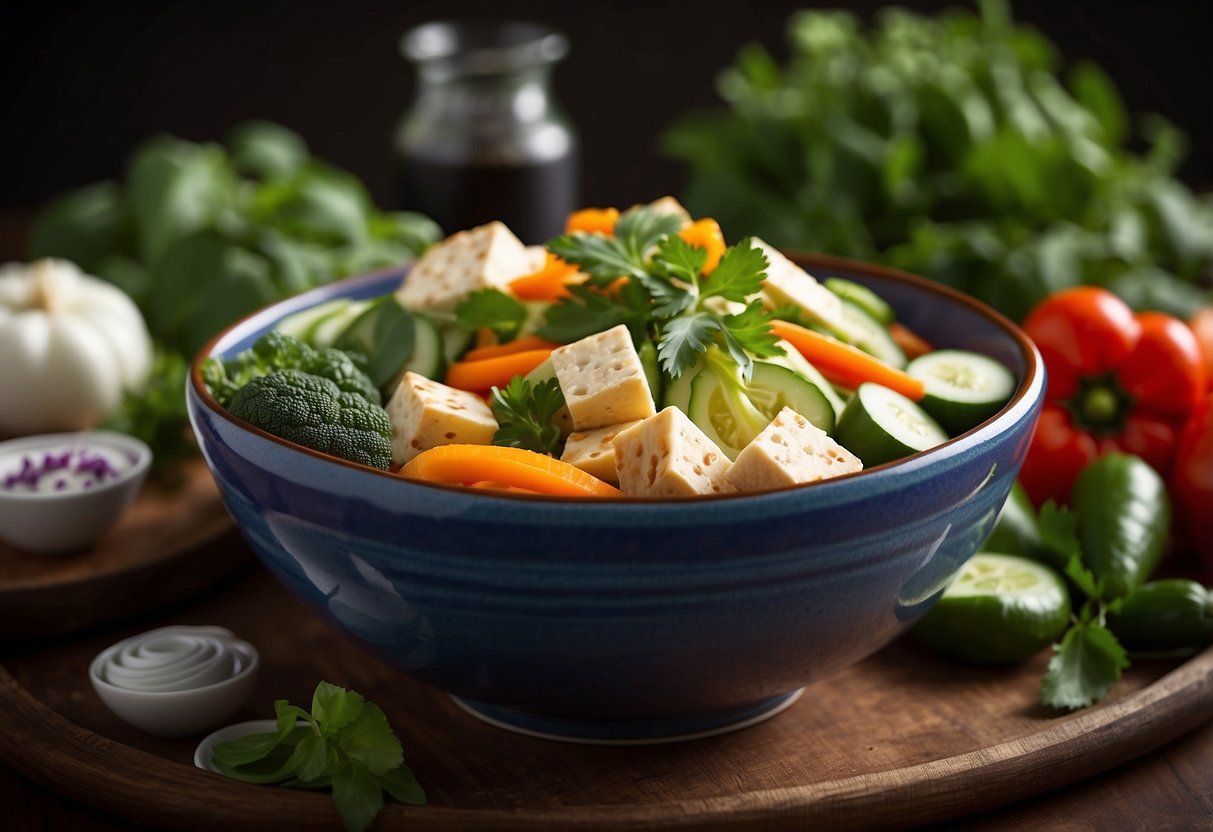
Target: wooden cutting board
(149,559)
(901,739)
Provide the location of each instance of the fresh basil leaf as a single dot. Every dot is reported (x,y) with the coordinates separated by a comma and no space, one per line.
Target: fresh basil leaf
(318,203)
(357,795)
(402,786)
(274,767)
(369,740)
(266,150)
(491,309)
(83,226)
(313,758)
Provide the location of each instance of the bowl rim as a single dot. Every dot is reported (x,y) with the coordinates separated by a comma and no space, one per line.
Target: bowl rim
(1033,377)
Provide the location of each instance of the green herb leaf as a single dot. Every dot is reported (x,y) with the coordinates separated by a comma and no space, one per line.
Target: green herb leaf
(640,229)
(1059,531)
(1088,662)
(680,260)
(604,259)
(333,707)
(586,312)
(525,415)
(739,274)
(750,329)
(684,339)
(357,795)
(402,786)
(313,758)
(491,309)
(369,740)
(275,767)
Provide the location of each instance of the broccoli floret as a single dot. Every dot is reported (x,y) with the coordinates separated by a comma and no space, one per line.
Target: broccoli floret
(278,351)
(313,411)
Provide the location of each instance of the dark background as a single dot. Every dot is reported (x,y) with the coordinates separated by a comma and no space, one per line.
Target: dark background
(83,83)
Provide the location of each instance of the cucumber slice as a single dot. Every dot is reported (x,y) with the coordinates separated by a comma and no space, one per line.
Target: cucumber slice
(880,425)
(731,413)
(455,342)
(677,393)
(871,336)
(963,388)
(863,297)
(385,334)
(1001,609)
(652,369)
(324,334)
(302,324)
(428,358)
(793,360)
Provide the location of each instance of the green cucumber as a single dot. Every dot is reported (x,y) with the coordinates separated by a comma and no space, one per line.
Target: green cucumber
(326,331)
(652,368)
(880,425)
(303,324)
(385,334)
(677,393)
(428,358)
(963,388)
(871,336)
(863,297)
(732,412)
(793,360)
(455,342)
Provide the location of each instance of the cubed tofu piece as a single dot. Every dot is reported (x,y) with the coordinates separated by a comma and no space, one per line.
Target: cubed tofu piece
(486,257)
(790,451)
(668,206)
(787,283)
(603,380)
(426,413)
(593,451)
(537,256)
(667,455)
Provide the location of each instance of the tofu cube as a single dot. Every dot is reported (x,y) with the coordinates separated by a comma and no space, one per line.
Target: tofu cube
(667,455)
(426,414)
(603,380)
(668,206)
(790,451)
(787,283)
(593,451)
(486,257)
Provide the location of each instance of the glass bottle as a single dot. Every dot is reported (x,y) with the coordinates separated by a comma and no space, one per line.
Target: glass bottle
(484,139)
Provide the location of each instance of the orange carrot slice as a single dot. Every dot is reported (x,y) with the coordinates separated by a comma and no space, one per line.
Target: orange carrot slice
(526,342)
(496,371)
(593,221)
(843,364)
(514,467)
(549,283)
(706,234)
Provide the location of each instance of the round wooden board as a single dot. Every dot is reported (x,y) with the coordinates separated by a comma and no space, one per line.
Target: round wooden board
(901,739)
(151,558)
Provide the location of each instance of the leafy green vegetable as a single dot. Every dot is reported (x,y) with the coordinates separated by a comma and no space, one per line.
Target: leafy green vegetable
(157,413)
(491,309)
(312,411)
(200,235)
(949,146)
(278,351)
(345,743)
(525,415)
(1088,662)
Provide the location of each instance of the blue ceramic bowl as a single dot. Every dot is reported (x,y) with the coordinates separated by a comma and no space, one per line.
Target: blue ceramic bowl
(627,620)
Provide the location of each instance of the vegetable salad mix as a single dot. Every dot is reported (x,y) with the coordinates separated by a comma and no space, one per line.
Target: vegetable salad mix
(637,354)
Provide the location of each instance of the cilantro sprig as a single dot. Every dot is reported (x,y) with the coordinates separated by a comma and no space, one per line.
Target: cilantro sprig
(1089,660)
(345,744)
(525,415)
(666,296)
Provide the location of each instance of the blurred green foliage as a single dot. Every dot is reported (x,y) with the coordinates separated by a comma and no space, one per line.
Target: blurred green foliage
(948,146)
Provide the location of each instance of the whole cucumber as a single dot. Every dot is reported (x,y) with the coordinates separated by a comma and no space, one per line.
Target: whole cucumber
(1124,516)
(1165,615)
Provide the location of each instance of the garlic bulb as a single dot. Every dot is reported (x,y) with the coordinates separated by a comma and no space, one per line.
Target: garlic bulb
(70,346)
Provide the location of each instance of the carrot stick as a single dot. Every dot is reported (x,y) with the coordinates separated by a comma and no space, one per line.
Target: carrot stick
(527,342)
(494,372)
(549,283)
(843,364)
(593,221)
(515,467)
(911,343)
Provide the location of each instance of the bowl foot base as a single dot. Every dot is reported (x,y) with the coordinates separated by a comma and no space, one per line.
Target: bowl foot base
(627,733)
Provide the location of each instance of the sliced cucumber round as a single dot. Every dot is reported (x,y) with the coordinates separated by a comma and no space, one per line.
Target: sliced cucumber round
(793,360)
(963,388)
(731,413)
(880,425)
(863,297)
(324,334)
(677,393)
(384,334)
(302,324)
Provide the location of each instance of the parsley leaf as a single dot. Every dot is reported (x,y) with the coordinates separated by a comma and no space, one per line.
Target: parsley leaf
(750,330)
(739,274)
(525,415)
(491,309)
(604,259)
(639,229)
(585,312)
(1086,665)
(684,339)
(347,744)
(680,260)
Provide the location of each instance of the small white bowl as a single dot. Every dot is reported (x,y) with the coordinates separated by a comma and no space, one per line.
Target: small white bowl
(57,522)
(177,713)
